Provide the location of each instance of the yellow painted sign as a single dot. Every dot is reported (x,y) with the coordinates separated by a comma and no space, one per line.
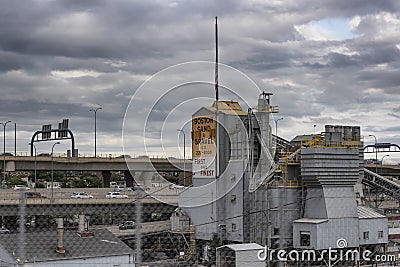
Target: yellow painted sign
(203,136)
(203,146)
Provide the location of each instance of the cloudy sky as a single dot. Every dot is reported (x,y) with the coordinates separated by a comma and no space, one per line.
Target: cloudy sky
(326,62)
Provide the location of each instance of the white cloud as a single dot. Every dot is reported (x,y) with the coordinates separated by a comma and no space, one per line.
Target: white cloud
(314,32)
(382,24)
(330,29)
(74,73)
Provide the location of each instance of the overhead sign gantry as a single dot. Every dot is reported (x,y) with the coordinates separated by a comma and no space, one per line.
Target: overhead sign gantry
(382,147)
(48,134)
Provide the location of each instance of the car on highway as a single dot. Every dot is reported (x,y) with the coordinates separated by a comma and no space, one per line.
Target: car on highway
(7,154)
(124,157)
(116,195)
(127,225)
(4,230)
(34,195)
(175,186)
(44,155)
(122,188)
(81,195)
(20,187)
(142,157)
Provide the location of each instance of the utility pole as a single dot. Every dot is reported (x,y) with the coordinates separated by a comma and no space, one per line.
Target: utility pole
(184,156)
(35,162)
(52,170)
(4,152)
(95,128)
(376,153)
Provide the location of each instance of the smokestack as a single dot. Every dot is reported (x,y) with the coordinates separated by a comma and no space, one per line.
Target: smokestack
(82,230)
(81,222)
(60,235)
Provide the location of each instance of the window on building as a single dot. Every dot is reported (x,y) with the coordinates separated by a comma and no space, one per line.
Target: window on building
(233,227)
(233,198)
(305,239)
(380,234)
(276,231)
(366,235)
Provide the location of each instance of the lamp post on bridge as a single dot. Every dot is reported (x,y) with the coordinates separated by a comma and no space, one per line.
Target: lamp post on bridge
(35,162)
(4,152)
(52,170)
(95,128)
(184,156)
(376,154)
(382,163)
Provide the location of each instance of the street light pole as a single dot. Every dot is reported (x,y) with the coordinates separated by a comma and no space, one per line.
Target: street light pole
(35,162)
(382,163)
(184,156)
(376,154)
(52,170)
(4,152)
(95,128)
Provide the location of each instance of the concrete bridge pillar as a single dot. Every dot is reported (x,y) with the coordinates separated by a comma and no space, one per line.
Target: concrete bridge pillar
(106,178)
(128,178)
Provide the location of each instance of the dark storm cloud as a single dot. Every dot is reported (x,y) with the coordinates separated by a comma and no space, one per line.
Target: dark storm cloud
(60,58)
(337,60)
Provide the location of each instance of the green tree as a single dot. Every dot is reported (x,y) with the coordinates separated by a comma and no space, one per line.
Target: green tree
(77,182)
(58,176)
(172,179)
(116,177)
(93,182)
(15,181)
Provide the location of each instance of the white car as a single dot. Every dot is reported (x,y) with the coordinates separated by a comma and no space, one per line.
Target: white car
(175,186)
(121,188)
(81,195)
(4,230)
(115,195)
(20,187)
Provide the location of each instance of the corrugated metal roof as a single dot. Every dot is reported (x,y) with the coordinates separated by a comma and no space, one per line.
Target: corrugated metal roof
(365,213)
(304,137)
(246,246)
(309,220)
(41,246)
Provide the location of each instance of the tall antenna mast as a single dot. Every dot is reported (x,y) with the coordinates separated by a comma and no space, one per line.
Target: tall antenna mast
(216,102)
(216,60)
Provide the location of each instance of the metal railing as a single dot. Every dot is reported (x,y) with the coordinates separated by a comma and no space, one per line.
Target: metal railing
(319,141)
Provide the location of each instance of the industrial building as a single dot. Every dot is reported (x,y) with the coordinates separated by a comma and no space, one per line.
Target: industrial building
(251,186)
(102,248)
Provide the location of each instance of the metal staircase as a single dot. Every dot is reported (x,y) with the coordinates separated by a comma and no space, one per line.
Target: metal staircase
(387,186)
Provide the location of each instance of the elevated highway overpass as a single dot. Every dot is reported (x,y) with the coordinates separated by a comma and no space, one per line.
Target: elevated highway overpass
(63,204)
(27,163)
(100,210)
(384,170)
(129,166)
